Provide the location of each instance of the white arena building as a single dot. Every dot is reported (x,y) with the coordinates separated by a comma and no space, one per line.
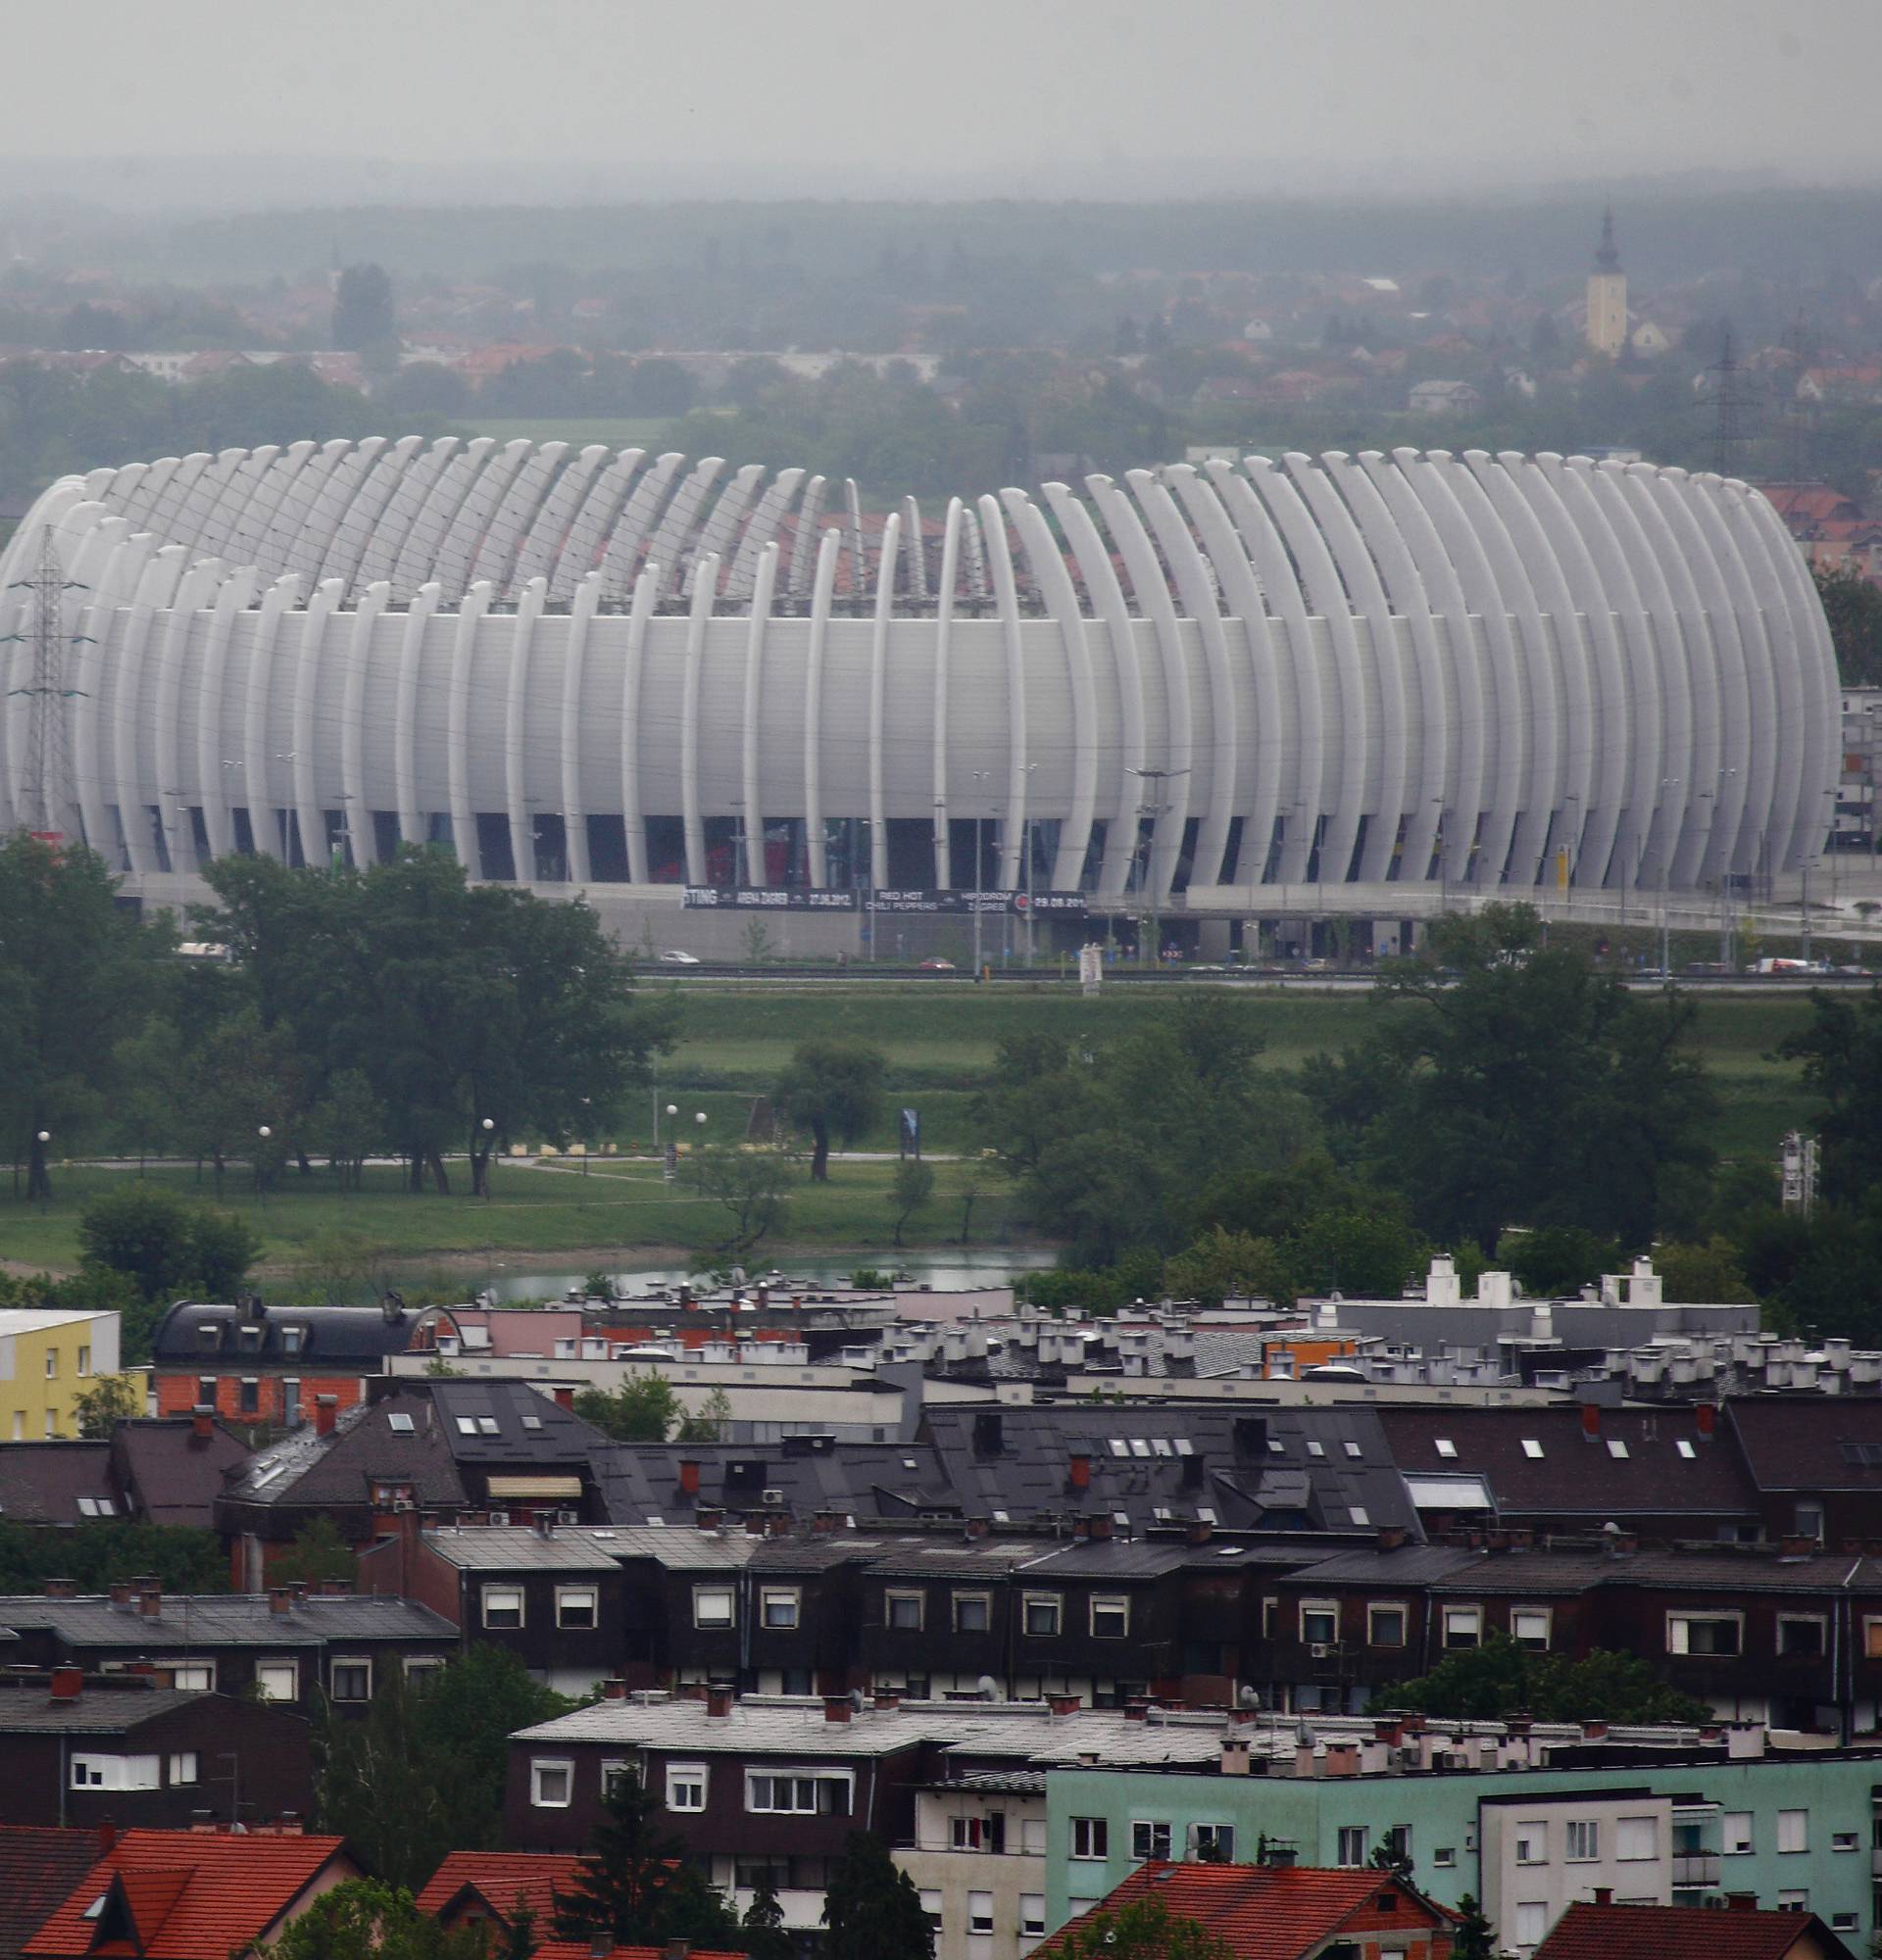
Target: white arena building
(1306,687)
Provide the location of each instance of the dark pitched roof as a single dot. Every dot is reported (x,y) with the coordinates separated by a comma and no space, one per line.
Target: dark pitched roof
(353,1339)
(372,1442)
(168,1474)
(1287,1469)
(228,1619)
(108,1711)
(1576,1474)
(38,1868)
(41,1483)
(1811,1443)
(639,1481)
(1590,1932)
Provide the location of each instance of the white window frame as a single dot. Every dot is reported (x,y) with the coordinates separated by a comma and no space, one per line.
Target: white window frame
(1331,1609)
(683,1777)
(1732,1821)
(715,1624)
(1581,1840)
(1624,1827)
(419,1668)
(980,1913)
(1817,1620)
(797,1779)
(339,1661)
(552,1765)
(1473,1614)
(497,1597)
(197,1676)
(1093,1834)
(1215,1840)
(183,1771)
(788,1598)
(1053,1602)
(1032,1915)
(1793,1824)
(1144,1832)
(1353,1836)
(1679,1627)
(264,1668)
(904,1596)
(1110,1603)
(1378,1606)
(1530,1841)
(578,1597)
(1533,1915)
(985,1602)
(1545,1614)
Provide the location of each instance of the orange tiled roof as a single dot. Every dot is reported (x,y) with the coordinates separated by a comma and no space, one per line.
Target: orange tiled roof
(500,1878)
(191,1894)
(1587,1932)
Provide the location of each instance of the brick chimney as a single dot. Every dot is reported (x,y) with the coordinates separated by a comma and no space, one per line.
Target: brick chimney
(1590,1421)
(978,1527)
(838,1708)
(826,1521)
(888,1697)
(614,1688)
(1391,1537)
(150,1600)
(689,1476)
(327,1410)
(202,1424)
(1101,1524)
(107,1837)
(280,1599)
(1705,1418)
(708,1517)
(1062,1707)
(1199,1531)
(1081,1472)
(62,1588)
(1604,1894)
(565,1399)
(719,1702)
(67,1682)
(121,1592)
(1136,1709)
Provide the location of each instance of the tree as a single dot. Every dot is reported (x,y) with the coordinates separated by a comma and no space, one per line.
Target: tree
(762,1930)
(752,1182)
(318,1554)
(1854,609)
(74,970)
(420,1771)
(100,1409)
(346,1125)
(367,1919)
(871,1908)
(362,312)
(911,1188)
(1473,1937)
(1841,1051)
(711,1422)
(1500,1678)
(1143,1930)
(636,1883)
(164,1246)
(183,1558)
(642,1410)
(833,1088)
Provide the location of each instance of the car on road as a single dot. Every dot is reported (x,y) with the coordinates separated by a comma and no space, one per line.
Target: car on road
(936,967)
(674,956)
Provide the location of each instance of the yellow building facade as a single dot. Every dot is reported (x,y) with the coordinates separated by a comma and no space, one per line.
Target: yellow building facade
(47,1356)
(1607,327)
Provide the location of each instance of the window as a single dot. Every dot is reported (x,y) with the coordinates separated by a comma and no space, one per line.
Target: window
(1842,1840)
(1532,1842)
(1798,1634)
(1843,1922)
(399,1423)
(205,1392)
(115,1771)
(1531,1448)
(1319,1622)
(1617,1449)
(1358,1515)
(1793,1831)
(963,1833)
(183,1767)
(52,1364)
(1445,1857)
(249,1403)
(279,1680)
(52,1426)
(972,1612)
(1529,1627)
(423,1670)
(979,1912)
(1704,1633)
(685,1785)
(1385,1626)
(1148,1838)
(801,1793)
(1355,1842)
(1213,1844)
(1685,1448)
(352,1680)
(1109,1617)
(1635,1837)
(502,1606)
(291,1338)
(1040,1615)
(1462,1625)
(551,1784)
(1795,1898)
(931,1905)
(194,1674)
(904,1610)
(1810,1516)
(1872,1639)
(777,1605)
(1090,1837)
(1032,1915)
(1532,1921)
(1735,1834)
(291,1401)
(712,1606)
(576,1606)
(1445,1447)
(85,1360)
(1583,1839)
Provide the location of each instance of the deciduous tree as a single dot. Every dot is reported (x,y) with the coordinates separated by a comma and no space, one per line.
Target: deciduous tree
(833,1088)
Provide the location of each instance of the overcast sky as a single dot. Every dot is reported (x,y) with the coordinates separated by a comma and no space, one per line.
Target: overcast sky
(849,96)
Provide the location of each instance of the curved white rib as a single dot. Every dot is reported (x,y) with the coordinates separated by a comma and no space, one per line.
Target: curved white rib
(574,663)
(753,826)
(815,841)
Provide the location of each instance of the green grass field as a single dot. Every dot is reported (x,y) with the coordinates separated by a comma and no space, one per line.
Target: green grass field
(941,1043)
(615,431)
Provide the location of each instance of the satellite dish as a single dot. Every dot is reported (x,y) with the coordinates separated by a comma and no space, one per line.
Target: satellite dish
(1246,1697)
(857,1699)
(987,1688)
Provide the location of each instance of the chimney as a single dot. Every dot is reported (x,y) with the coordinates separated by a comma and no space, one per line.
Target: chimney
(120,1591)
(150,1600)
(107,1837)
(1062,1706)
(62,1588)
(1081,1527)
(1604,1894)
(202,1423)
(1590,1421)
(1082,1472)
(888,1697)
(689,1476)
(678,1949)
(1235,1755)
(719,1702)
(565,1399)
(280,1599)
(836,1708)
(778,1524)
(1706,1417)
(1101,1524)
(67,1682)
(755,1524)
(978,1527)
(1391,1537)
(600,1945)
(826,1522)
(1136,1709)
(1199,1531)
(327,1410)
(614,1688)
(1741,1902)
(708,1517)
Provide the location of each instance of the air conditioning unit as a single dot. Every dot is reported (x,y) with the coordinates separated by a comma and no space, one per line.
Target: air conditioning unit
(499,1517)
(774,1497)
(1321,1649)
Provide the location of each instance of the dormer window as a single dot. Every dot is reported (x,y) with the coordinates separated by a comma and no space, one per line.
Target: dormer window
(209,1336)
(293,1340)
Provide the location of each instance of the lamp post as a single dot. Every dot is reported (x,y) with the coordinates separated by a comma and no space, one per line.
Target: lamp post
(699,1121)
(42,1138)
(1157,777)
(262,1136)
(978,776)
(488,1127)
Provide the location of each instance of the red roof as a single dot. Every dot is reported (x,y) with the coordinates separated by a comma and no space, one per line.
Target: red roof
(189,1895)
(1588,1932)
(499,1879)
(1267,1912)
(37,1869)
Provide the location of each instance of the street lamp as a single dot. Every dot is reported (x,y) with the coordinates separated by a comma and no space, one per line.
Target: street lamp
(1156,777)
(488,1127)
(45,1137)
(979,776)
(261,1168)
(699,1120)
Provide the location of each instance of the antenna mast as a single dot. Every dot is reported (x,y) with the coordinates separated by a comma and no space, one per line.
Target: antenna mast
(49,741)
(1728,405)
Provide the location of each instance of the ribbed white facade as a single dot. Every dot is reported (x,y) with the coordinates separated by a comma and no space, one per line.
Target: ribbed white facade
(585,668)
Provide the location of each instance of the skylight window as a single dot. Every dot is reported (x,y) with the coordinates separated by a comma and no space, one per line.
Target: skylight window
(1685,1448)
(466,1425)
(1275,1446)
(1207,1513)
(1617,1447)
(1184,1448)
(1162,1514)
(652,1518)
(1139,1447)
(486,1425)
(1532,1449)
(400,1424)
(1002,1518)
(1120,1518)
(1353,1449)
(1118,1447)
(1160,1445)
(1315,1447)
(1359,1516)
(532,1422)
(1445,1447)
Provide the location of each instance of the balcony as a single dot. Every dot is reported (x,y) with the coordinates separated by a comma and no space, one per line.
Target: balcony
(1694,1868)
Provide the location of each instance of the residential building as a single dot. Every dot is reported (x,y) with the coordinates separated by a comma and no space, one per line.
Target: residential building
(272,1367)
(47,1356)
(977,1857)
(186,1895)
(284,1646)
(1443,398)
(92,1749)
(497,1888)
(1604,1928)
(1280,1910)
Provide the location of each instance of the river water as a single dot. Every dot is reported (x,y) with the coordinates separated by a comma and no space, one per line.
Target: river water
(945,1271)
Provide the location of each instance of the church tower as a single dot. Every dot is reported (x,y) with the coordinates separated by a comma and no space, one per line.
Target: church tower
(1607,295)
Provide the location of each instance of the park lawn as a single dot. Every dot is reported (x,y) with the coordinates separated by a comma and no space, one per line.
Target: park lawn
(620,1206)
